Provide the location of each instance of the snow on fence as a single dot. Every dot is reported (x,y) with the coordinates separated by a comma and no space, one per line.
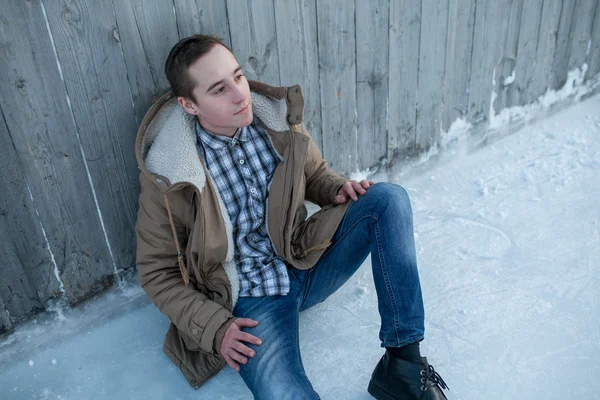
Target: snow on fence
(382,79)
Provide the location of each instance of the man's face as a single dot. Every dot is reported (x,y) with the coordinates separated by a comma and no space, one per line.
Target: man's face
(223,102)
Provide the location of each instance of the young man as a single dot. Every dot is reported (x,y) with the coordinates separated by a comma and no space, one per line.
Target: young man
(225,250)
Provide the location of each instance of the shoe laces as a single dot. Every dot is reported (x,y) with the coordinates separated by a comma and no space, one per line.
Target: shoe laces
(430,378)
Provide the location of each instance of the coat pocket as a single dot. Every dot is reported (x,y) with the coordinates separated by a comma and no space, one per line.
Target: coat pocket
(308,236)
(189,343)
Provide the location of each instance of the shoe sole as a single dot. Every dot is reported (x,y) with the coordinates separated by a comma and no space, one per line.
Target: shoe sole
(379,393)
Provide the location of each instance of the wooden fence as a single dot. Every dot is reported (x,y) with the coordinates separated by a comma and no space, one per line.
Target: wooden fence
(380,77)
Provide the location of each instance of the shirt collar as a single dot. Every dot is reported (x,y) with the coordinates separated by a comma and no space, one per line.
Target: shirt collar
(218,142)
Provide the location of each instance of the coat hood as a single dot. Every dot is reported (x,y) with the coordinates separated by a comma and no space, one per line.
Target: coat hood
(166,139)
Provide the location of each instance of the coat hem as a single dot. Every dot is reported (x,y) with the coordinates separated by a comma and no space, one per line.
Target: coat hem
(194,381)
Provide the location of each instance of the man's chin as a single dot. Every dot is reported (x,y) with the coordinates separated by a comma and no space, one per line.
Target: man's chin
(247,119)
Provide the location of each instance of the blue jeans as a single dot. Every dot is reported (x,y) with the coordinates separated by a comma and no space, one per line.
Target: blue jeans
(379,223)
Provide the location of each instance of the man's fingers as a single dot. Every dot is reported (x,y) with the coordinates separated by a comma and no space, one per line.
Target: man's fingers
(340,198)
(240,348)
(246,322)
(350,190)
(238,357)
(235,366)
(358,188)
(246,337)
(365,184)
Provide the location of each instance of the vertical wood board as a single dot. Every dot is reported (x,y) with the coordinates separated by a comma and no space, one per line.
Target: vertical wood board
(147,31)
(372,63)
(542,75)
(491,22)
(518,91)
(581,32)
(298,52)
(5,324)
(254,38)
(509,48)
(560,65)
(41,127)
(88,48)
(405,32)
(25,265)
(432,56)
(337,71)
(459,45)
(207,17)
(594,57)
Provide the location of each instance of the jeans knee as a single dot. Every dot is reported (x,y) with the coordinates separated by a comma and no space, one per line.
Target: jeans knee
(394,195)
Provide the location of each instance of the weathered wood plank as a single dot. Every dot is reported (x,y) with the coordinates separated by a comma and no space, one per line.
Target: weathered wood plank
(297,47)
(25,265)
(434,33)
(581,32)
(594,57)
(542,75)
(254,38)
(459,45)
(37,115)
(518,91)
(508,47)
(148,31)
(92,62)
(207,17)
(5,324)
(372,63)
(561,55)
(337,70)
(405,31)
(491,21)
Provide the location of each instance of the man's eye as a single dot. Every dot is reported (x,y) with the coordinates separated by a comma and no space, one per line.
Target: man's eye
(237,78)
(220,90)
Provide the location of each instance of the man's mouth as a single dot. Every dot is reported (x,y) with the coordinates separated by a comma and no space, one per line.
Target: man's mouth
(244,109)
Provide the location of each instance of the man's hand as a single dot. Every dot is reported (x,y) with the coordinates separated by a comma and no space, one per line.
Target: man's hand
(352,189)
(232,348)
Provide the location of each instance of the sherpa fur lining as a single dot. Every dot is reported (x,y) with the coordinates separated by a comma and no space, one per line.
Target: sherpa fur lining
(169,149)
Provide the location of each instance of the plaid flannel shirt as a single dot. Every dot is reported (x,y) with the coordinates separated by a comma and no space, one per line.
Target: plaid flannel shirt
(242,168)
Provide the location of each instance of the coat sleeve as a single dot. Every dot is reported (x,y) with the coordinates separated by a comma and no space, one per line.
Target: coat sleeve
(322,183)
(192,312)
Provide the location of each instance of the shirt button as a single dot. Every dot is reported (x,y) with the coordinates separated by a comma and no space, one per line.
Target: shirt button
(253,191)
(242,161)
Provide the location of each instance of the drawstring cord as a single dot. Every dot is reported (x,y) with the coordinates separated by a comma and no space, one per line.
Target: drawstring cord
(182,267)
(320,246)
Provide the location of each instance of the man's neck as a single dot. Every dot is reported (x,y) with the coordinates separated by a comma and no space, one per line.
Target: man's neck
(228,134)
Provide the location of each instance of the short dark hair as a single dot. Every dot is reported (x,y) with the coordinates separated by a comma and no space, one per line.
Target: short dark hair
(184,54)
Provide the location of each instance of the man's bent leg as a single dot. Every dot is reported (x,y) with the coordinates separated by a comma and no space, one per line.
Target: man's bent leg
(380,223)
(276,371)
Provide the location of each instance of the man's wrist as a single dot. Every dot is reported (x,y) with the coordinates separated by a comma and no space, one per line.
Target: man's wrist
(220,334)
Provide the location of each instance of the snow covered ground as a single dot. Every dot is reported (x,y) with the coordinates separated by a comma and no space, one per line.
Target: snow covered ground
(508,239)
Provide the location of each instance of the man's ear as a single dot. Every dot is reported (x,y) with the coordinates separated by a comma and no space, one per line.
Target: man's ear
(187,105)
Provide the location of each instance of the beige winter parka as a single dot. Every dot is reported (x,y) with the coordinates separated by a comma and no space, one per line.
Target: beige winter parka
(184,234)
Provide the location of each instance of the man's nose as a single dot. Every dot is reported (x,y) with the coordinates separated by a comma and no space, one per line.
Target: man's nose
(238,96)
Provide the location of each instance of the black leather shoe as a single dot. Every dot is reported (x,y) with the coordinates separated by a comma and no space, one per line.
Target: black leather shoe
(397,379)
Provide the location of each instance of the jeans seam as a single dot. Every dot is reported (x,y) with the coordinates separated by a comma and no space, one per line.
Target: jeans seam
(297,334)
(386,279)
(307,280)
(375,216)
